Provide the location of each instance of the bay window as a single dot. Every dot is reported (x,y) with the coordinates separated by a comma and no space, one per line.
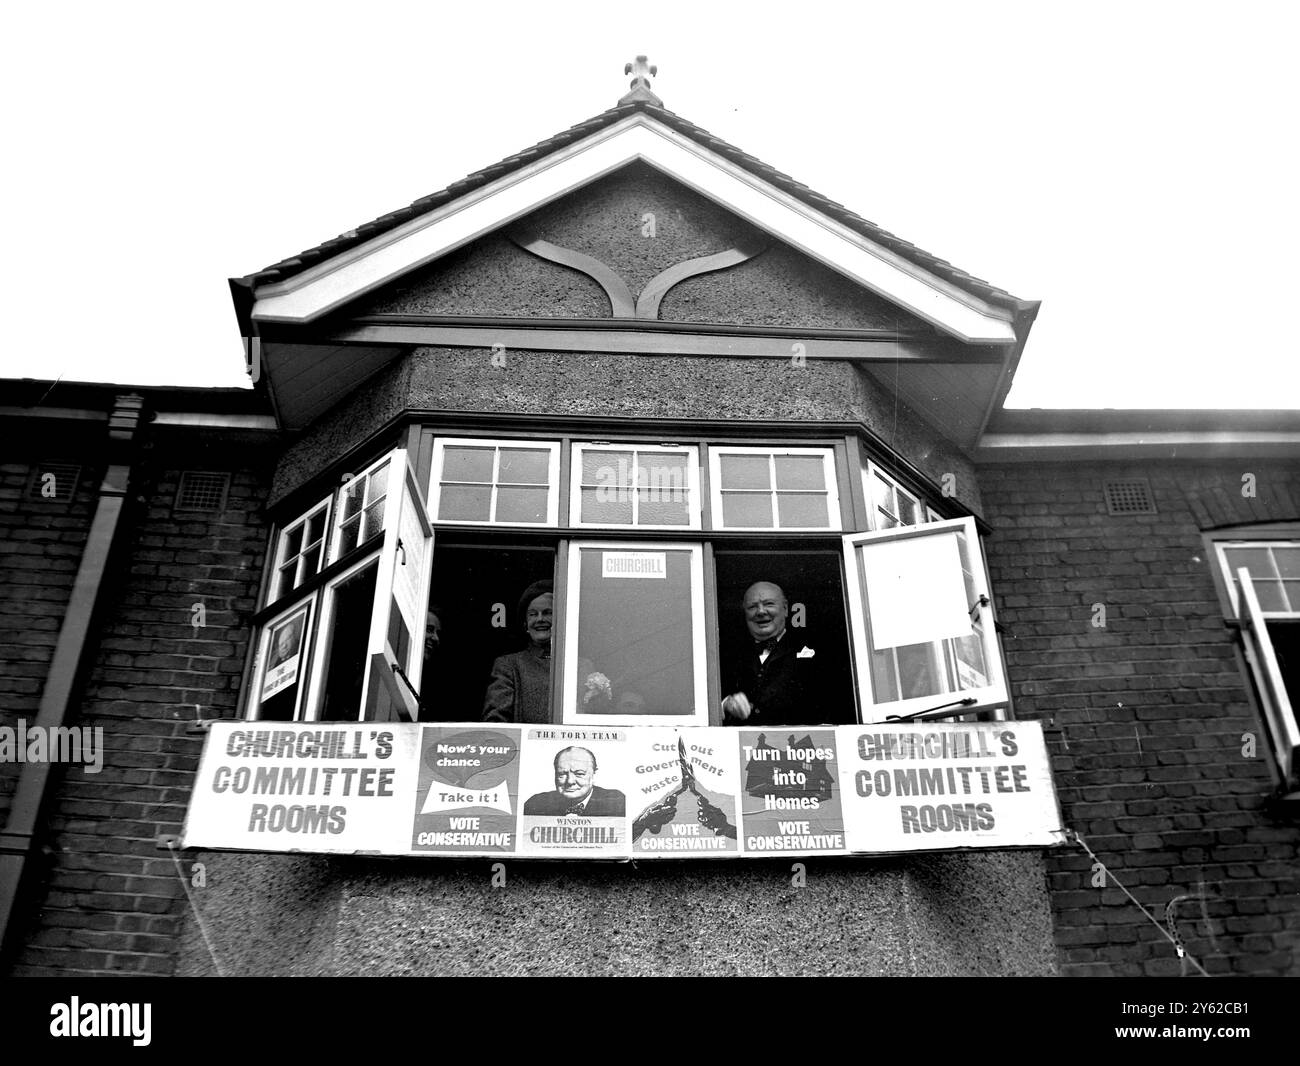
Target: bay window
(649,547)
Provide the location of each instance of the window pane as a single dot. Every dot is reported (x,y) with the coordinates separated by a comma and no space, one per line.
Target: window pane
(661,510)
(1291,589)
(521,505)
(606,506)
(292,542)
(607,469)
(800,472)
(348,536)
(346,654)
(351,500)
(638,632)
(802,510)
(918,668)
(1259,561)
(745,472)
(882,494)
(377,483)
(374,522)
(526,466)
(740,509)
(884,677)
(906,510)
(1287,560)
(464,503)
(664,475)
(316,526)
(467,464)
(969,653)
(284,582)
(1270,595)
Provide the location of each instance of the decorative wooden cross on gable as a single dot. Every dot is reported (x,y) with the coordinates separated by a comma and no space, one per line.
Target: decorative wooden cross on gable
(642,72)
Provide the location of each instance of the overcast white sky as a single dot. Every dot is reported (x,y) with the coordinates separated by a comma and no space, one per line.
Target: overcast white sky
(1132,165)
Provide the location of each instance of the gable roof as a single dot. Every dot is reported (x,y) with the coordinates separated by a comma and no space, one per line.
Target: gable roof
(311,257)
(312,357)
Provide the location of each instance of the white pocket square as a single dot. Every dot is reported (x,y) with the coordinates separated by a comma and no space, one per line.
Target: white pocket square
(805,653)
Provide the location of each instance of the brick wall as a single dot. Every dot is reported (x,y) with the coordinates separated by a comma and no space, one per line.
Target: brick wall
(1150,710)
(41,541)
(111,901)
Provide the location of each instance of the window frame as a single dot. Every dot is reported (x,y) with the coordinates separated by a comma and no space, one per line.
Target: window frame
(694,504)
(262,653)
(1277,712)
(274,594)
(703,647)
(434,493)
(991,697)
(835,520)
(872,469)
(366,476)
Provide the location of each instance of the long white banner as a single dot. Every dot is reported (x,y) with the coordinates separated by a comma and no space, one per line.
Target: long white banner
(622,793)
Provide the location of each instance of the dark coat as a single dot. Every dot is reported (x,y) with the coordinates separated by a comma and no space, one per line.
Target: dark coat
(604,803)
(785,690)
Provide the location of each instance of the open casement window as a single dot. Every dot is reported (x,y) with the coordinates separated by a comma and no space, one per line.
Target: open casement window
(635,486)
(922,620)
(1260,571)
(891,505)
(340,651)
(495,482)
(791,489)
(634,635)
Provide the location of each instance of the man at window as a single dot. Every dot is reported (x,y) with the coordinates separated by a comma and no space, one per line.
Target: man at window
(778,680)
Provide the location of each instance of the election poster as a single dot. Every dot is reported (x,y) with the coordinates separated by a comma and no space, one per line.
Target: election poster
(938,786)
(791,791)
(568,809)
(683,802)
(468,793)
(284,654)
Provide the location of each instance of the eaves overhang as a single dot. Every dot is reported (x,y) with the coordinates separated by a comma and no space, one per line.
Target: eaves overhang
(1044,435)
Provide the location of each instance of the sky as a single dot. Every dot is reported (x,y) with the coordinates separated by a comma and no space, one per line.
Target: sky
(1131,165)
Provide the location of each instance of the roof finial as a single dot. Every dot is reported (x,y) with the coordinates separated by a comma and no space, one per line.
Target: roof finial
(642,72)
